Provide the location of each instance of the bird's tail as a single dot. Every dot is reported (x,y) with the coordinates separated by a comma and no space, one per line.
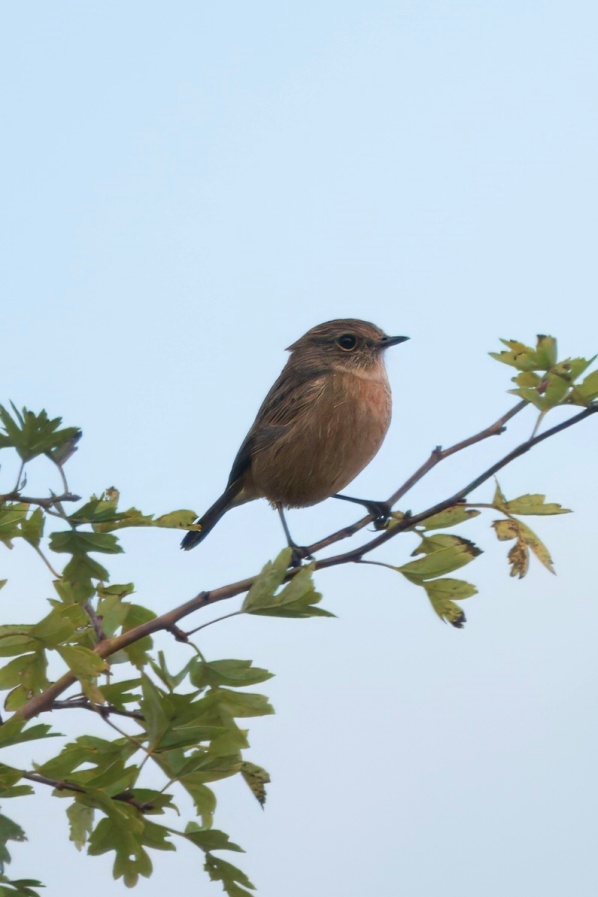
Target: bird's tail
(212,516)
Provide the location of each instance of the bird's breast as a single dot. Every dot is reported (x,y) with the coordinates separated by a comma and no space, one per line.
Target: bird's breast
(324,448)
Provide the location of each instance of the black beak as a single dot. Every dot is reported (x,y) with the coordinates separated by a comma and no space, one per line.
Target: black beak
(387,341)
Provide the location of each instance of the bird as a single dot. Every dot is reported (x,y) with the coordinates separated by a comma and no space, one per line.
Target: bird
(320,424)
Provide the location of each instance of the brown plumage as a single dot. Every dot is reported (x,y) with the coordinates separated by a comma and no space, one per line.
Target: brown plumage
(322,422)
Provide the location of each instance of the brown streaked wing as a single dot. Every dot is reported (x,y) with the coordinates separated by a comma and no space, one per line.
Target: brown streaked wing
(285,402)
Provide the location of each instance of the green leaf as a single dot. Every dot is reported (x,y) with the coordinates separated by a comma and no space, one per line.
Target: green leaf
(262,591)
(80,823)
(78,575)
(499,500)
(233,880)
(176,519)
(574,367)
(11,518)
(82,543)
(443,593)
(587,391)
(15,640)
(439,541)
(235,673)
(122,693)
(151,801)
(209,767)
(138,651)
(13,732)
(59,625)
(88,750)
(171,680)
(156,711)
(532,396)
(238,704)
(203,797)
(439,562)
(32,528)
(528,379)
(33,434)
(451,517)
(127,833)
(556,384)
(19,887)
(82,662)
(546,351)
(102,513)
(519,356)
(296,600)
(27,671)
(209,838)
(9,776)
(119,591)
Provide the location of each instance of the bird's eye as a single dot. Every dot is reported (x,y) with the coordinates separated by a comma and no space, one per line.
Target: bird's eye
(347,342)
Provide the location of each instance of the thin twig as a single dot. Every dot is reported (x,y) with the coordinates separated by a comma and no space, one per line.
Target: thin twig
(53,501)
(81,703)
(121,732)
(235,613)
(62,785)
(65,485)
(54,573)
(19,484)
(96,621)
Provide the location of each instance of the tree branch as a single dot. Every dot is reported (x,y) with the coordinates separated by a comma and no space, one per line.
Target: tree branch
(60,785)
(168,621)
(45,503)
(104,710)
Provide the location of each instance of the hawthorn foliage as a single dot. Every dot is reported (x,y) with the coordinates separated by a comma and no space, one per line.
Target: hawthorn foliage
(189,724)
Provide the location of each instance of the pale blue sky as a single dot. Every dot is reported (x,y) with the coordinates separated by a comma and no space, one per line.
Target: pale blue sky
(187,188)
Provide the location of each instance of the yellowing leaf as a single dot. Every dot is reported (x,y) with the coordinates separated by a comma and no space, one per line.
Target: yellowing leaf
(525,539)
(519,559)
(443,593)
(537,546)
(506,529)
(256,778)
(533,504)
(546,351)
(520,356)
(499,500)
(587,390)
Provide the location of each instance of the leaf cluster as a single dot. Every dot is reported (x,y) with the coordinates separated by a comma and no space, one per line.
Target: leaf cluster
(543,380)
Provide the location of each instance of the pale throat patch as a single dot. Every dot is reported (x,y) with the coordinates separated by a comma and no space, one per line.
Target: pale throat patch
(376,373)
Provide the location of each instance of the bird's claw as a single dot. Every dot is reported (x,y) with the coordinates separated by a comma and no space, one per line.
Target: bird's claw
(298,555)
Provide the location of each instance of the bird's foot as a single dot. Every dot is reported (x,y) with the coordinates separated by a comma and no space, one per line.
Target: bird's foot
(380,511)
(299,554)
